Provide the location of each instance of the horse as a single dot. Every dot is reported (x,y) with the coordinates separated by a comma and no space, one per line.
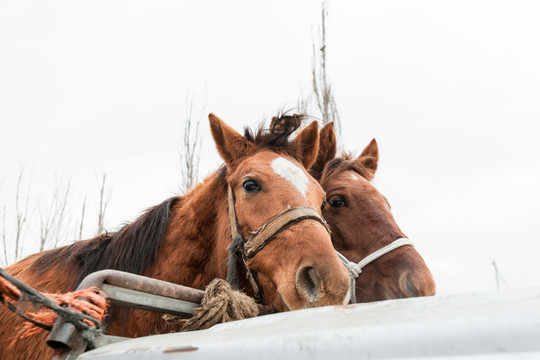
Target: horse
(185,239)
(364,232)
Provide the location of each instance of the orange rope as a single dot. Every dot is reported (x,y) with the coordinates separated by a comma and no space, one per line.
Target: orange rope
(9,290)
(94,304)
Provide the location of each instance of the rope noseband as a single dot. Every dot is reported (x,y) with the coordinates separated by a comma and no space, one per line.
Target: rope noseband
(355,269)
(248,249)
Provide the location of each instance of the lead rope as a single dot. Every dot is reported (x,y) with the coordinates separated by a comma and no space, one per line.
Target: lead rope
(236,248)
(86,309)
(236,245)
(355,269)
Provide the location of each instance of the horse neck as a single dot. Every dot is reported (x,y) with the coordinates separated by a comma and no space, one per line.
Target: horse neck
(194,248)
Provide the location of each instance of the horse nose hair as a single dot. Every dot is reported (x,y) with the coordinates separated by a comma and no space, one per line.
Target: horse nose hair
(308,283)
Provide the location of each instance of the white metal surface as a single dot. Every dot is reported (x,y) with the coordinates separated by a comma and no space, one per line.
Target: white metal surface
(498,325)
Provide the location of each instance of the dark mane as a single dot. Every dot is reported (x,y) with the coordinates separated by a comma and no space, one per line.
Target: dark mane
(276,137)
(343,163)
(132,249)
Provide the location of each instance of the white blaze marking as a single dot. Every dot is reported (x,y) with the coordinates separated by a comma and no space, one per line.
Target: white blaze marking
(291,173)
(354,177)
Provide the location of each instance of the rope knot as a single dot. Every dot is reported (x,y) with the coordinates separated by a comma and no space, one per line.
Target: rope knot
(354,269)
(220,304)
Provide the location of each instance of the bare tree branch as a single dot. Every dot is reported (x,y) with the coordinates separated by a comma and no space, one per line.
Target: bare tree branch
(322,88)
(82,220)
(303,104)
(104,198)
(46,220)
(53,223)
(191,148)
(21,214)
(61,224)
(52,216)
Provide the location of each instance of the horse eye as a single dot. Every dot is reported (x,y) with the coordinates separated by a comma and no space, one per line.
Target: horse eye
(337,201)
(323,205)
(251,186)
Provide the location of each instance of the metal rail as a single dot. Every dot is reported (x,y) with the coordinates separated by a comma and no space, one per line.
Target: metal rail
(130,290)
(133,291)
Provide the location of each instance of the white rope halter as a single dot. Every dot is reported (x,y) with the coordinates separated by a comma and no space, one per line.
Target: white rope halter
(355,269)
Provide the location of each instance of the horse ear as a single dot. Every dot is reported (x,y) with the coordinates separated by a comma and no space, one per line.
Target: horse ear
(230,144)
(306,144)
(327,150)
(369,158)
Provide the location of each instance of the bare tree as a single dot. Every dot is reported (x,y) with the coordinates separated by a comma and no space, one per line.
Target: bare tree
(191,148)
(81,224)
(324,94)
(303,103)
(53,223)
(104,198)
(21,214)
(52,216)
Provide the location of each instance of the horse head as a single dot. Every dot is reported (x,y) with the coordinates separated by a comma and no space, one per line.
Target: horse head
(293,263)
(362,224)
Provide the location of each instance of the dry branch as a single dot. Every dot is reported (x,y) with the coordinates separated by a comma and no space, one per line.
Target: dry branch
(322,89)
(191,148)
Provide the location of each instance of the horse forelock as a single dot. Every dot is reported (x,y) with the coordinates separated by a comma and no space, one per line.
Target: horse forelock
(273,139)
(132,249)
(344,163)
(264,139)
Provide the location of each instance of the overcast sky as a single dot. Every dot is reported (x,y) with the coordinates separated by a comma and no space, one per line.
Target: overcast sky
(450,90)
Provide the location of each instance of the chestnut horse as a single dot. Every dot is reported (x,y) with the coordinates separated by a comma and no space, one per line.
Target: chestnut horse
(362,224)
(184,240)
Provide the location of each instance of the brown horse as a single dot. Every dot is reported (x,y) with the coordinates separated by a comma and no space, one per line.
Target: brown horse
(362,224)
(184,240)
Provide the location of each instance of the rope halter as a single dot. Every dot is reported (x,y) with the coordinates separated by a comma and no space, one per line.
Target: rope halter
(355,269)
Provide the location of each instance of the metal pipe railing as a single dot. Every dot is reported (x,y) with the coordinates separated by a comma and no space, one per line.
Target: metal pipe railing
(182,300)
(134,291)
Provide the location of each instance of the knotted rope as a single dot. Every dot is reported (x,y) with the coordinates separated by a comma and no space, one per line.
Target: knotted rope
(85,308)
(220,304)
(355,269)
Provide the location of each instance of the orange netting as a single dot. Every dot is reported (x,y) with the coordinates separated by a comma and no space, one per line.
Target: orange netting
(91,302)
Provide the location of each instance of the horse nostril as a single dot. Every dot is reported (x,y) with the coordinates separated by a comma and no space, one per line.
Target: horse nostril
(408,287)
(308,282)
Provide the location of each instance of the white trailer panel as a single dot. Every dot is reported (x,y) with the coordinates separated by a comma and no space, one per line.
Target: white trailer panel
(498,325)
